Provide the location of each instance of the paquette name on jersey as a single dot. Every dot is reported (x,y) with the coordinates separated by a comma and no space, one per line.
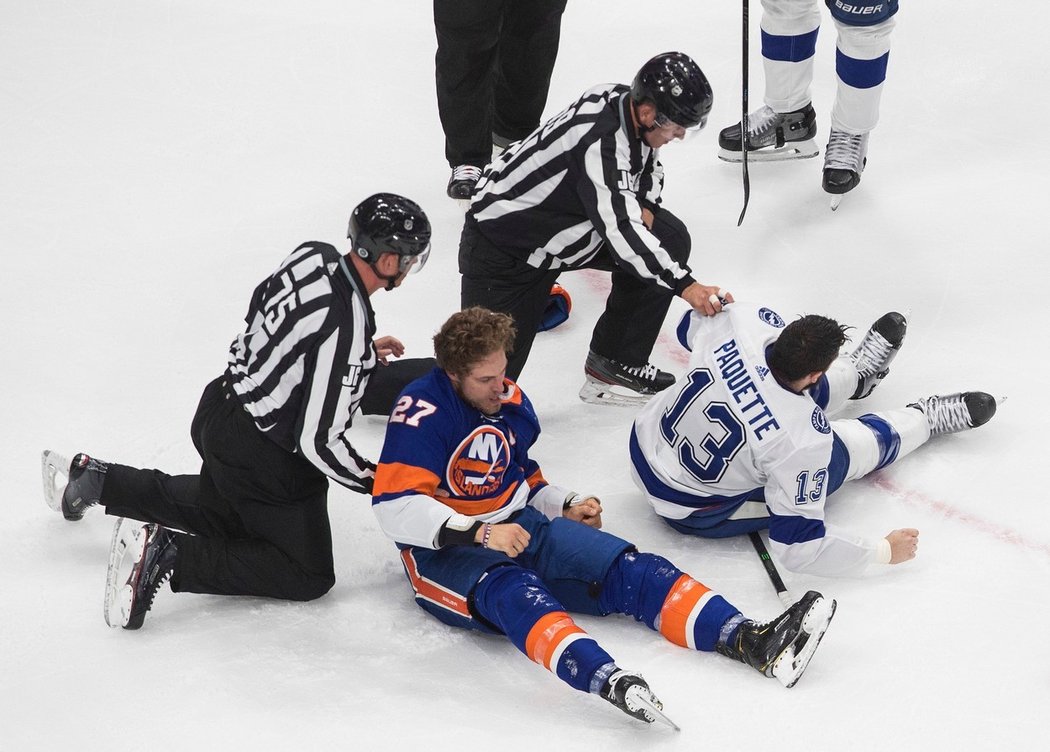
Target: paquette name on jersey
(476,467)
(739,383)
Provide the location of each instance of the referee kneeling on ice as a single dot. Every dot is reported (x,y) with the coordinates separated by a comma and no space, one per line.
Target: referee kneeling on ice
(583,192)
(271,431)
(488,544)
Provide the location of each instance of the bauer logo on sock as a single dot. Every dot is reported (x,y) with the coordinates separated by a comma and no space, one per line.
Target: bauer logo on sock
(771,317)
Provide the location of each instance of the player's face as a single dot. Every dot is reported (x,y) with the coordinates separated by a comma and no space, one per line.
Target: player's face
(483,385)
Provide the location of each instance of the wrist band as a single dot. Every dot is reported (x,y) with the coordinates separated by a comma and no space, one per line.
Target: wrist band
(485,534)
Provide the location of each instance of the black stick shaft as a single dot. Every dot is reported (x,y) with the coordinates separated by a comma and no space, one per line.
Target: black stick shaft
(771,568)
(743,114)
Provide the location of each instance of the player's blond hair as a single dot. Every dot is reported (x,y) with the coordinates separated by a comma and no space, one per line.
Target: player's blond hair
(470,336)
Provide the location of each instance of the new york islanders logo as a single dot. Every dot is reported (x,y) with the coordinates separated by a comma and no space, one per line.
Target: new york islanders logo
(477,466)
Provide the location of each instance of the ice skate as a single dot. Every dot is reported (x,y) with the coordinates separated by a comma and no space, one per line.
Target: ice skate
(609,382)
(844,161)
(877,350)
(956,412)
(461,184)
(631,694)
(71,487)
(782,648)
(772,136)
(141,559)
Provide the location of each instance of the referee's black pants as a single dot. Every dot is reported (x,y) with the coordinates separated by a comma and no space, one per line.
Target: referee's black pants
(257,515)
(634,311)
(493,70)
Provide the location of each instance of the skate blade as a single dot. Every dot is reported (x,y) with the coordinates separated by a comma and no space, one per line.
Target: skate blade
(790,150)
(836,199)
(52,465)
(125,552)
(599,393)
(789,668)
(656,713)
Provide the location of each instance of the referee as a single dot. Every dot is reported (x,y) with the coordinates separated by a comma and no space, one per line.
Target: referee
(272,431)
(583,191)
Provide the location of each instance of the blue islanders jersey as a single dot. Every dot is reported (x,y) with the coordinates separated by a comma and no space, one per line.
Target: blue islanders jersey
(727,440)
(443,457)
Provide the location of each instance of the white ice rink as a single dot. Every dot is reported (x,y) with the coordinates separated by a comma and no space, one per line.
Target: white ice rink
(159,158)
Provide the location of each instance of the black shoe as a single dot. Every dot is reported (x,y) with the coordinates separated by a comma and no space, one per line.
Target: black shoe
(631,694)
(644,379)
(141,559)
(877,350)
(783,647)
(461,184)
(956,412)
(844,161)
(83,488)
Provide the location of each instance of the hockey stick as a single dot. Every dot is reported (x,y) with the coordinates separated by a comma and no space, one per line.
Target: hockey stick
(743,117)
(771,568)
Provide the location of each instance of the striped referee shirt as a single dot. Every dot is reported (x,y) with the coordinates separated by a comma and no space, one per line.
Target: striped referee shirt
(302,365)
(576,182)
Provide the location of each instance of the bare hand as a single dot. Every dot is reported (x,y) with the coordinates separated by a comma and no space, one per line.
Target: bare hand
(647,218)
(509,538)
(903,544)
(387,346)
(705,298)
(588,511)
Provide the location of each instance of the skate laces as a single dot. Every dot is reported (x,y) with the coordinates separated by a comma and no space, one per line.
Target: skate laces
(845,151)
(647,372)
(871,354)
(466,172)
(760,121)
(946,414)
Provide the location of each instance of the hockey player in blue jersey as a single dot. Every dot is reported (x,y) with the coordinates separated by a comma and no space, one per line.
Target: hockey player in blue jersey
(742,442)
(488,544)
(786,127)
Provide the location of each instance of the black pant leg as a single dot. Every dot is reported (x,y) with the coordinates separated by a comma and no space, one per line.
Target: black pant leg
(635,310)
(386,382)
(501,282)
(528,48)
(468,39)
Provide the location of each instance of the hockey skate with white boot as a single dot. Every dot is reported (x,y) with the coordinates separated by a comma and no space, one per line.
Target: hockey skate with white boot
(772,136)
(953,413)
(844,161)
(141,559)
(610,382)
(876,351)
(630,693)
(782,648)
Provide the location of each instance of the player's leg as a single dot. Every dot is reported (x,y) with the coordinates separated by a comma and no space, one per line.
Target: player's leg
(528,47)
(386,383)
(786,126)
(861,60)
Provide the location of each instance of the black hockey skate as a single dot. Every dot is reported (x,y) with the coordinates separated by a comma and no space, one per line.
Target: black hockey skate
(956,412)
(610,382)
(631,694)
(772,136)
(461,184)
(844,161)
(141,559)
(782,648)
(876,351)
(84,477)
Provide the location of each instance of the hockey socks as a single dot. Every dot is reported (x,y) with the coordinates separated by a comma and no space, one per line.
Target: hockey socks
(517,602)
(654,591)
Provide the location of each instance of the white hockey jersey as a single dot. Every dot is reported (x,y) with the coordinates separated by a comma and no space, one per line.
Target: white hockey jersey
(728,440)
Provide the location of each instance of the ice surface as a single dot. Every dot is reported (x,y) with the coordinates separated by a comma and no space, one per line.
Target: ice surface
(158,159)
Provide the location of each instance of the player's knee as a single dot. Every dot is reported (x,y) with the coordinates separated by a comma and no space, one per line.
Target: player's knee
(861,12)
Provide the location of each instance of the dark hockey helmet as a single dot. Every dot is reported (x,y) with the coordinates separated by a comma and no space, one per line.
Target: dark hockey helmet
(388,223)
(677,88)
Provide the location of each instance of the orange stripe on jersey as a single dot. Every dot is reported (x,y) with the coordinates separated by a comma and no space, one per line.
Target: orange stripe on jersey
(536,478)
(511,393)
(431,591)
(679,610)
(547,635)
(397,477)
(472,507)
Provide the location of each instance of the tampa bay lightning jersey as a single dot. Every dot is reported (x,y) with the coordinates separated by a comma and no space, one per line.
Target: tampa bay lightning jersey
(728,434)
(442,457)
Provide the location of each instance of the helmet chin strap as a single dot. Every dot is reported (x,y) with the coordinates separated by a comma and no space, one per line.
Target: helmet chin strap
(389,279)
